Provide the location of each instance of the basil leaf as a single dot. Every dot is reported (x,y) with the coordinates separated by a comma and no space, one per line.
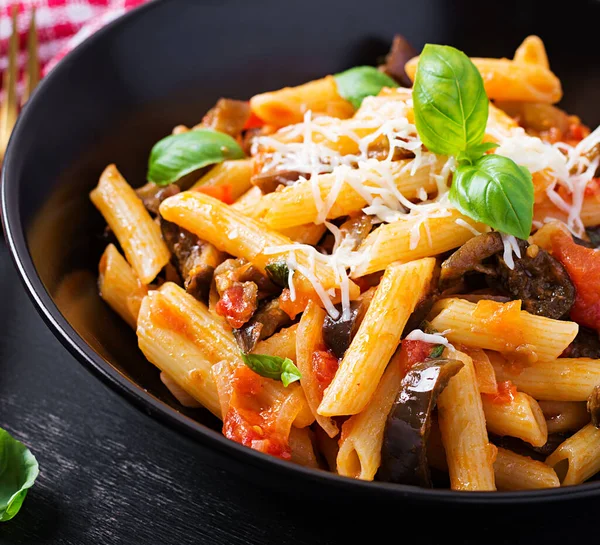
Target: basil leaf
(273,367)
(437,351)
(474,153)
(450,104)
(496,191)
(18,471)
(361,81)
(179,154)
(279,273)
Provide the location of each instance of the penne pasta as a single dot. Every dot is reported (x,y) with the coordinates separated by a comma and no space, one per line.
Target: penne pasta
(520,417)
(516,472)
(119,286)
(406,240)
(137,233)
(564,416)
(215,222)
(281,344)
(484,370)
(503,327)
(359,454)
(178,392)
(461,419)
(308,341)
(288,105)
(564,379)
(576,460)
(400,289)
(232,175)
(301,444)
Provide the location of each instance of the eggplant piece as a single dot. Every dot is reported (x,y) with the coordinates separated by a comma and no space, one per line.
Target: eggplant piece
(267,320)
(338,332)
(593,406)
(269,181)
(404,451)
(585,345)
(152,195)
(228,116)
(400,53)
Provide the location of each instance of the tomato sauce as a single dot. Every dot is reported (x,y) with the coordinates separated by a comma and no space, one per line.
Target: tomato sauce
(324,366)
(583,266)
(221,192)
(295,307)
(412,352)
(234,306)
(506,393)
(249,423)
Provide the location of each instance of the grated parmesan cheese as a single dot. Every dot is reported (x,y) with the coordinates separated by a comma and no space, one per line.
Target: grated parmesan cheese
(433,338)
(511,246)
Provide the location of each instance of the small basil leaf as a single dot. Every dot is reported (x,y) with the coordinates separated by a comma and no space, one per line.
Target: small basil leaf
(18,471)
(179,154)
(474,153)
(361,81)
(450,104)
(290,373)
(495,191)
(437,351)
(273,367)
(279,273)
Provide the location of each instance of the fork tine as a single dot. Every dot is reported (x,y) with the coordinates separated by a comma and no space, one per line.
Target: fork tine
(32,76)
(8,113)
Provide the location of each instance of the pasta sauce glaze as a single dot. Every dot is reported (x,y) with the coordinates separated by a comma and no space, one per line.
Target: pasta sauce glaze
(249,423)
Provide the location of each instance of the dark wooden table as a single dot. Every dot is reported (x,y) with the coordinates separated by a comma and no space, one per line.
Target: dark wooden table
(111,475)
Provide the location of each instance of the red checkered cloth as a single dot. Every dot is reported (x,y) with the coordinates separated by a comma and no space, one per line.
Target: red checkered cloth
(61,25)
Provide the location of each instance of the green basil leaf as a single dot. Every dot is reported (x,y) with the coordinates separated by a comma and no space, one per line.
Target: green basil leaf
(474,153)
(279,273)
(290,373)
(179,154)
(437,351)
(361,81)
(18,471)
(496,191)
(450,104)
(273,367)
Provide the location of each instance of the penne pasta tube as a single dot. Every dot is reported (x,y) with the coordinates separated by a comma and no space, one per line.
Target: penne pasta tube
(359,455)
(469,455)
(137,233)
(409,239)
(576,460)
(281,344)
(400,289)
(563,379)
(520,417)
(230,232)
(503,327)
(328,448)
(564,416)
(532,51)
(296,204)
(288,105)
(484,370)
(119,286)
(235,175)
(178,392)
(301,444)
(310,233)
(248,201)
(516,472)
(308,340)
(546,211)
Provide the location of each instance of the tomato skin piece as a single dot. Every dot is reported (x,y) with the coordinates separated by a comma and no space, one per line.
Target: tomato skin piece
(583,266)
(412,352)
(254,122)
(221,192)
(506,393)
(325,366)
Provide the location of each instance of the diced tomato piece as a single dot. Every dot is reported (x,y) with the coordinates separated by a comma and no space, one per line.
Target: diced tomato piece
(583,266)
(325,366)
(254,122)
(592,189)
(250,424)
(295,307)
(234,306)
(506,393)
(412,352)
(222,192)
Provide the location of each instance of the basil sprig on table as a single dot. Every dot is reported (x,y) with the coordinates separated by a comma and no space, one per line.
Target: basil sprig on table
(273,367)
(179,154)
(451,112)
(361,81)
(18,471)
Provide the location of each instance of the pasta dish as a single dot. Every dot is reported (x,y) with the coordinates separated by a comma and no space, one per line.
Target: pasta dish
(391,273)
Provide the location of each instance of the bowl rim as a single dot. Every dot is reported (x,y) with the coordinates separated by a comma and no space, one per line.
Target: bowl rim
(15,236)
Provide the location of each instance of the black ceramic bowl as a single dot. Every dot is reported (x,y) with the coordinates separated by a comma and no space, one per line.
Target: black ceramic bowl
(167,63)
